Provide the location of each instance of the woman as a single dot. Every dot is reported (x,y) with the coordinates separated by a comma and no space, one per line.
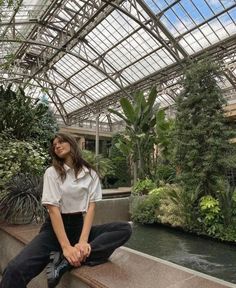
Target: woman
(67,239)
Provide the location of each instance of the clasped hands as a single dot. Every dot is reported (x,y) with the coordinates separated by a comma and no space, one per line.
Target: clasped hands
(77,254)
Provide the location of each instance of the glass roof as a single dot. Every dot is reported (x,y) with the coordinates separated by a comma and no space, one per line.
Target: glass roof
(86,55)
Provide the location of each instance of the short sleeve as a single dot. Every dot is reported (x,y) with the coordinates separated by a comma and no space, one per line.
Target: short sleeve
(51,191)
(95,193)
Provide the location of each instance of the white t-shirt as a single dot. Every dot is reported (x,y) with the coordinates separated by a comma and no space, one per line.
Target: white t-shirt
(74,193)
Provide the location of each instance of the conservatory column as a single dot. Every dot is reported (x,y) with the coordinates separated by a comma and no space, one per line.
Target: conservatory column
(81,142)
(97,136)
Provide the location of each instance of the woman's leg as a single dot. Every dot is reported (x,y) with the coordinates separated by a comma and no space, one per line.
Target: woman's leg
(30,261)
(105,238)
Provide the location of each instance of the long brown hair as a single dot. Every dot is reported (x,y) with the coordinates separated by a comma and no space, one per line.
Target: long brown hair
(78,161)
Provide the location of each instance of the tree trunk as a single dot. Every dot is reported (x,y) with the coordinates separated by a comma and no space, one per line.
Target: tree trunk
(135,176)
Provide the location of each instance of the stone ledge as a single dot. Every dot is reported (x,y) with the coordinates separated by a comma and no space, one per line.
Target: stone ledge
(126,268)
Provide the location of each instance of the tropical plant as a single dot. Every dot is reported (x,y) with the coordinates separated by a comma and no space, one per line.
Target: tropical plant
(102,164)
(143,186)
(161,191)
(143,208)
(203,151)
(164,171)
(177,206)
(164,135)
(19,157)
(22,202)
(211,214)
(228,233)
(23,119)
(120,165)
(140,119)
(164,168)
(226,194)
(47,125)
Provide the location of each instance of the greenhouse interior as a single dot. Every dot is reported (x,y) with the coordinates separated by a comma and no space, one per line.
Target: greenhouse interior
(147,90)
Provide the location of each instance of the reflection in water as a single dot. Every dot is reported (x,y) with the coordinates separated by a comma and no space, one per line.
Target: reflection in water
(207,256)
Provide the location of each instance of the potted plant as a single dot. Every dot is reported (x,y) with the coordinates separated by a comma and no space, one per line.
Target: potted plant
(21,203)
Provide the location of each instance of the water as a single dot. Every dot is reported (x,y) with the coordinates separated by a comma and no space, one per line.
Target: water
(194,252)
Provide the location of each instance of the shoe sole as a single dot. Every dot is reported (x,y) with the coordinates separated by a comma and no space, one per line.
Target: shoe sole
(54,257)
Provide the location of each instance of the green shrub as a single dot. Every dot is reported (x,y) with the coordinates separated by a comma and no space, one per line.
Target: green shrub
(143,208)
(234,205)
(170,214)
(102,164)
(120,165)
(210,215)
(228,234)
(203,150)
(161,190)
(143,187)
(225,194)
(176,206)
(22,202)
(20,156)
(24,119)
(165,172)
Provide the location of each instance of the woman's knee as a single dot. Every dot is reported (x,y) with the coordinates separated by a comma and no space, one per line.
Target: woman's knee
(129,229)
(126,228)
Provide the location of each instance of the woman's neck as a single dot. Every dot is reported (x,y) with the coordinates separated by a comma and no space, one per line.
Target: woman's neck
(69,162)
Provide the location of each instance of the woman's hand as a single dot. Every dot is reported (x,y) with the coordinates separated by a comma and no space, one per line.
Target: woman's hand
(73,255)
(84,248)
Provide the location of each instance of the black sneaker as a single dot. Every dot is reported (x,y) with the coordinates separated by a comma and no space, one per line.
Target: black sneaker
(57,266)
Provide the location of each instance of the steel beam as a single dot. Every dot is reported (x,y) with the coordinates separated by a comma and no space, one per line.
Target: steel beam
(165,75)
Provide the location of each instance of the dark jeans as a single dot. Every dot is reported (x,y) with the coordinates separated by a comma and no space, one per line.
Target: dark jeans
(104,239)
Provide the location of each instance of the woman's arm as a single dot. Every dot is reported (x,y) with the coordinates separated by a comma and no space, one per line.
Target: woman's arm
(70,253)
(83,245)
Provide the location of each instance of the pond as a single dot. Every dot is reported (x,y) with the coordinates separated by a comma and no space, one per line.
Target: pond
(194,252)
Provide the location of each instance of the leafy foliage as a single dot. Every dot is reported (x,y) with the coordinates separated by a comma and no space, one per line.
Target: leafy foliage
(173,209)
(23,119)
(101,164)
(210,212)
(164,135)
(7,2)
(210,208)
(225,194)
(143,187)
(22,202)
(137,143)
(195,151)
(165,169)
(120,165)
(143,208)
(20,156)
(228,233)
(46,127)
(202,136)
(25,131)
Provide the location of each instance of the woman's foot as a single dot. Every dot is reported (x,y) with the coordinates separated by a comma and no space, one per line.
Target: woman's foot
(57,266)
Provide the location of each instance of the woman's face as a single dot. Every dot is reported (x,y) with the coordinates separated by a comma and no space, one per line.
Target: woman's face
(61,148)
